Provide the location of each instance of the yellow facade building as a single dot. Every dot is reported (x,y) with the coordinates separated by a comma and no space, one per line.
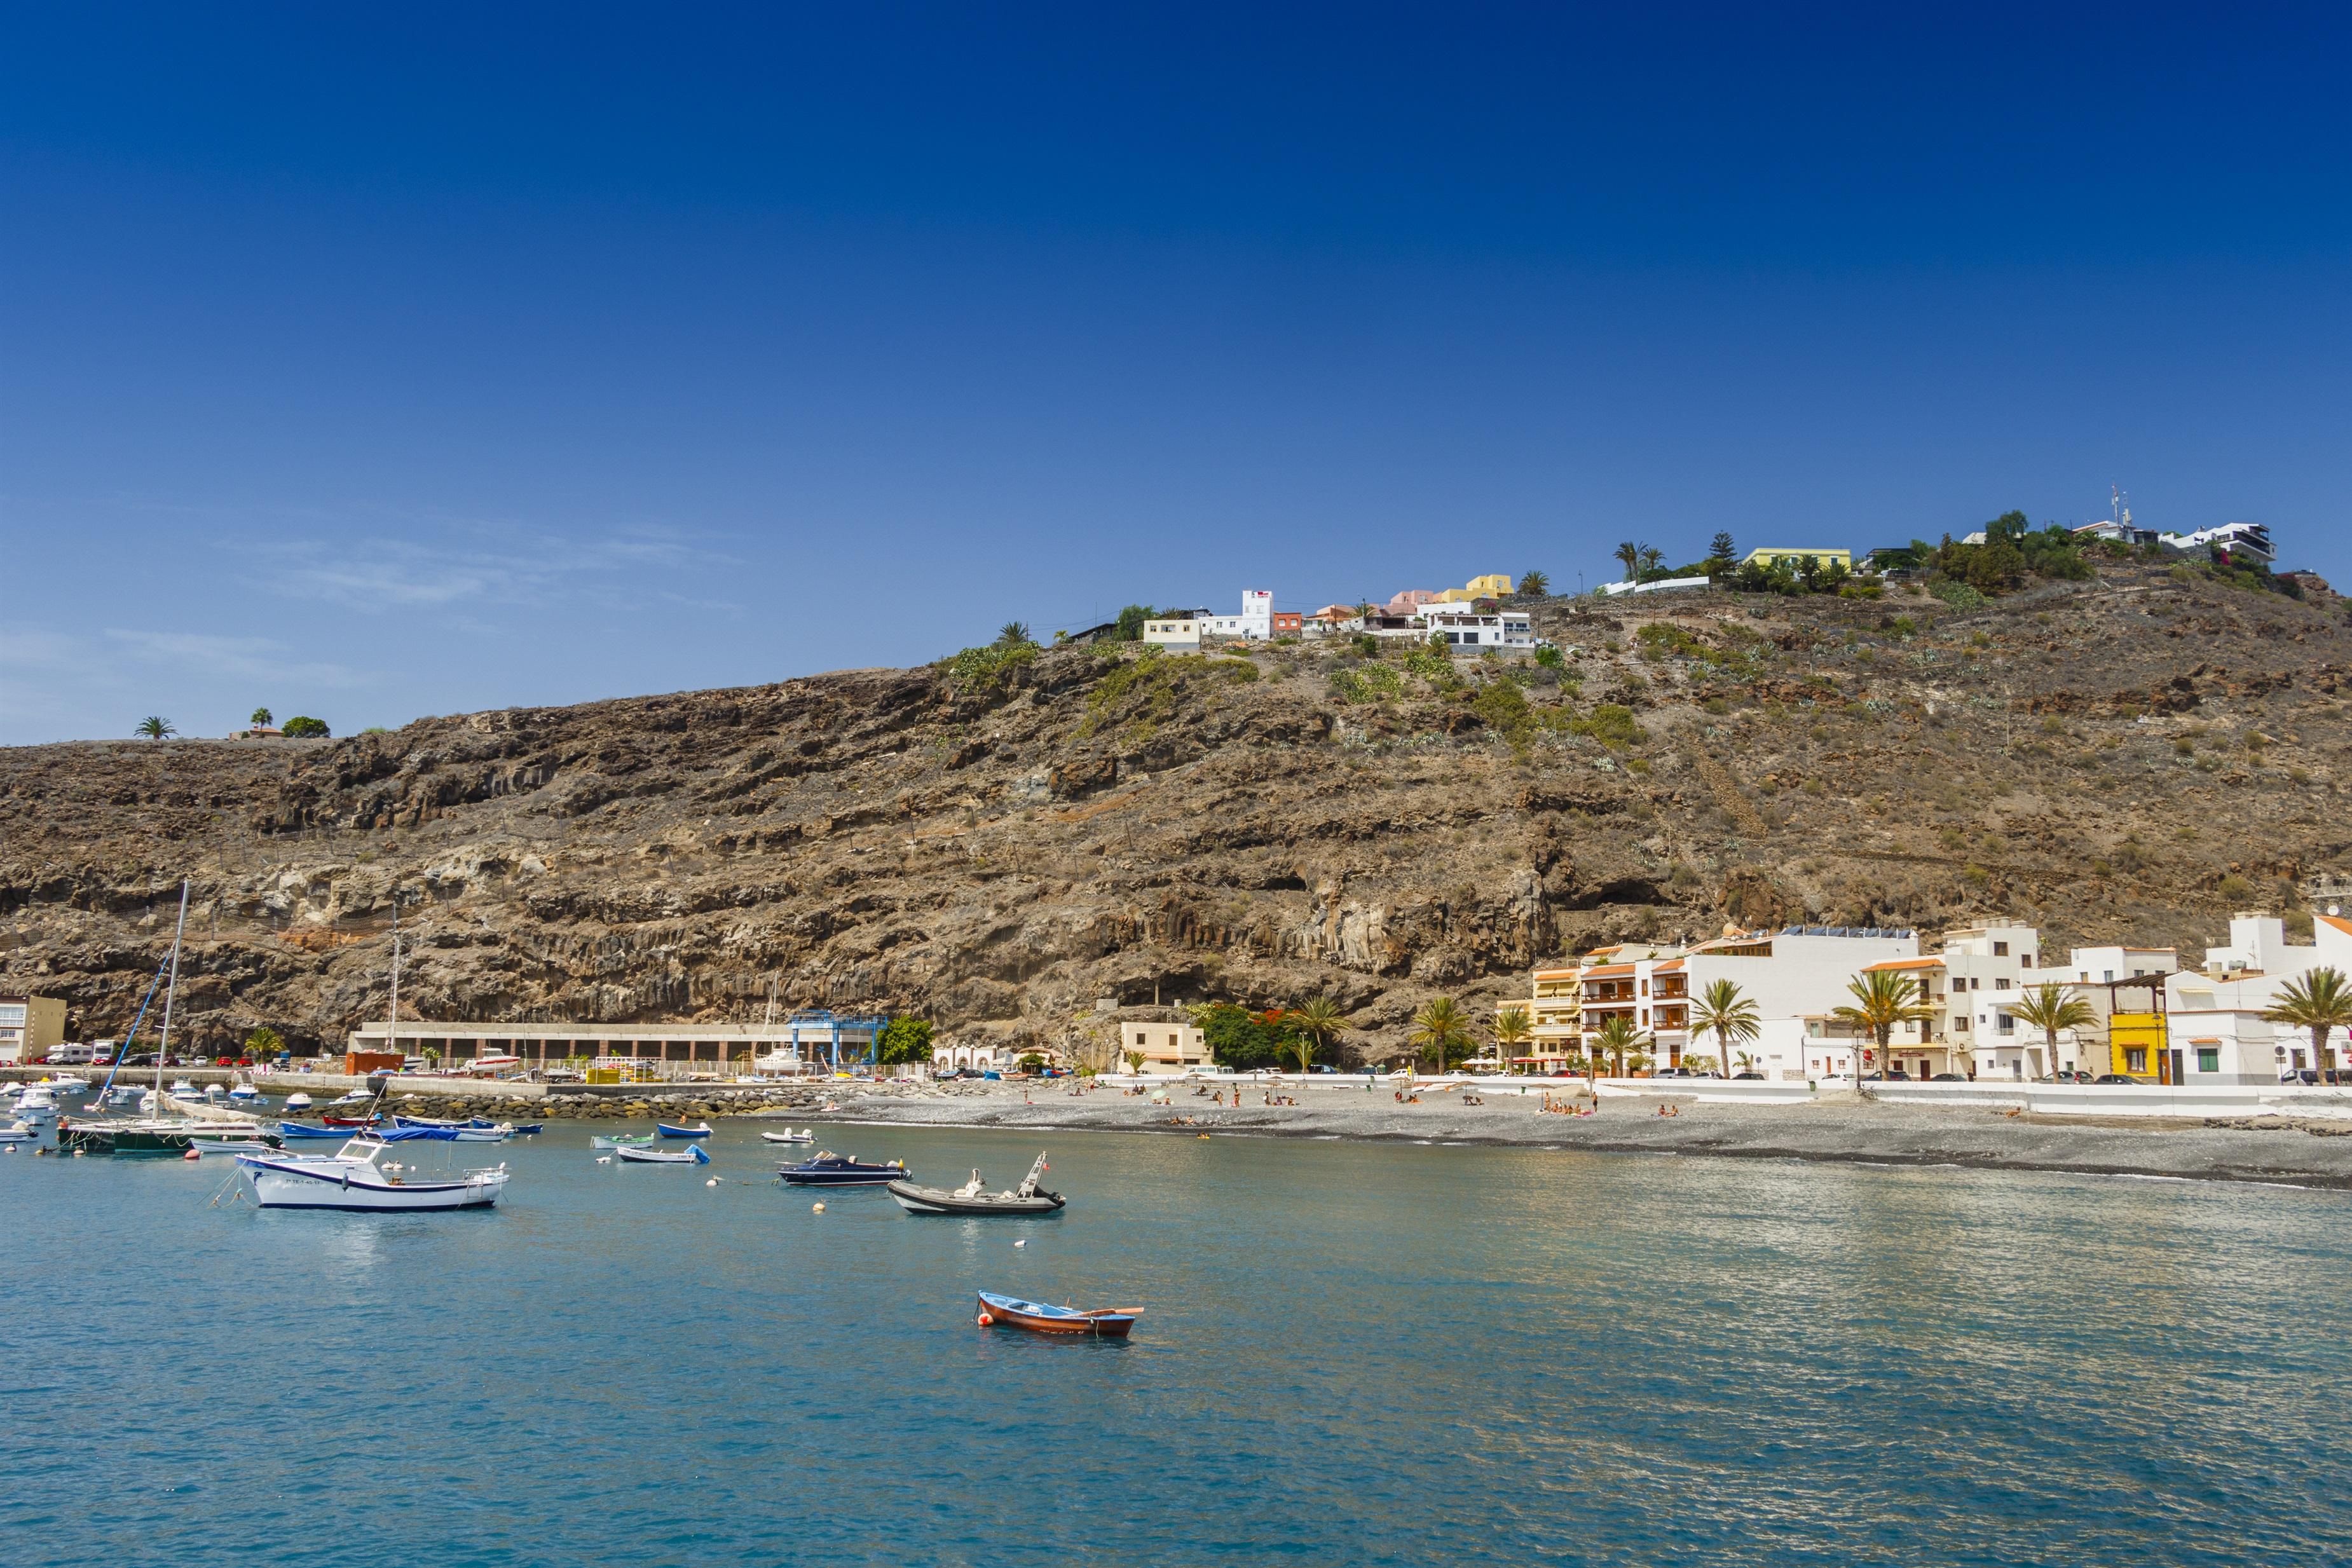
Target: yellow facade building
(1823,560)
(1494,585)
(2135,1044)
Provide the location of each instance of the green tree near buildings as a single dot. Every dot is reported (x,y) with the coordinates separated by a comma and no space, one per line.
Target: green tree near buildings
(1533,584)
(1615,1043)
(1131,623)
(263,1042)
(1442,1029)
(2317,1002)
(1883,999)
(1629,556)
(1238,1038)
(154,727)
(1512,1028)
(262,718)
(1720,548)
(903,1040)
(1723,1012)
(302,727)
(1313,1028)
(2049,1006)
(1013,634)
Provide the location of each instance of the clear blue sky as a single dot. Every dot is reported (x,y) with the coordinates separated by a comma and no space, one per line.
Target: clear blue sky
(375,362)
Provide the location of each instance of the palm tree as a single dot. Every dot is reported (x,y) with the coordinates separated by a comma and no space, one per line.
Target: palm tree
(1617,1038)
(1721,1010)
(2050,1009)
(1652,557)
(2319,1001)
(1886,999)
(262,718)
(1442,1029)
(1013,633)
(154,728)
(1533,584)
(1512,1027)
(1314,1027)
(1630,554)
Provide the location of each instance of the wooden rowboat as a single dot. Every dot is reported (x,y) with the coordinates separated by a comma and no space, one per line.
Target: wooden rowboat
(1038,1317)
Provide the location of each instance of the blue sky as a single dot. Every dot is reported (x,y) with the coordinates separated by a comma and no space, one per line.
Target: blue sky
(415,361)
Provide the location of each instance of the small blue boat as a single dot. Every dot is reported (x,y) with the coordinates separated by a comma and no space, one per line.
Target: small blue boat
(411,1135)
(633,1154)
(526,1130)
(297,1130)
(667,1131)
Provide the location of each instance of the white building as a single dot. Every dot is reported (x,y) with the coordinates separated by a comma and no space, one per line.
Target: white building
(1510,631)
(2213,1022)
(1256,622)
(2258,946)
(1168,1048)
(2251,540)
(1790,975)
(2105,966)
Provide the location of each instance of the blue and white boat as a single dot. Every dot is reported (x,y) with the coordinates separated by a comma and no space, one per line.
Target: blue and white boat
(667,1131)
(350,1179)
(636,1155)
(298,1129)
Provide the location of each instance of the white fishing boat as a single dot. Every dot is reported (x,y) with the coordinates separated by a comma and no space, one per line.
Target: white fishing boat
(693,1155)
(355,1179)
(805,1135)
(19,1133)
(356,1097)
(298,1102)
(36,1103)
(621,1141)
(244,1094)
(497,1134)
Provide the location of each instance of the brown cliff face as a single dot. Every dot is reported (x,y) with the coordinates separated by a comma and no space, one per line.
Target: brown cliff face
(2125,759)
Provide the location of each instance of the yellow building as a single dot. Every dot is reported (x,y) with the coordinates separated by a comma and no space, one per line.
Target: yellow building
(1494,585)
(30,1026)
(1556,1011)
(2135,1044)
(1823,560)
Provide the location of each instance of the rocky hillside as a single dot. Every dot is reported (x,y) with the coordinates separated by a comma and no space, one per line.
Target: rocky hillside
(999,844)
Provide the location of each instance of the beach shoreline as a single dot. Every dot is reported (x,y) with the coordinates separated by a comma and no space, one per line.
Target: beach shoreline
(2271,1150)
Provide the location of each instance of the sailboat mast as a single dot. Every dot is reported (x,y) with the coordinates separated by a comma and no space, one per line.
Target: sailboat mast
(392,1029)
(164,1050)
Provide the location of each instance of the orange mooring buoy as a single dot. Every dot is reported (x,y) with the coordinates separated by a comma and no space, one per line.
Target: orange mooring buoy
(984,1320)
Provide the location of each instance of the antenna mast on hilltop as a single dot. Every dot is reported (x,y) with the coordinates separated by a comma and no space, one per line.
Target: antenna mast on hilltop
(2119,506)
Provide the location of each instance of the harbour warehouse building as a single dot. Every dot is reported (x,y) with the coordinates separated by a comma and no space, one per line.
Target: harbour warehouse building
(815,1037)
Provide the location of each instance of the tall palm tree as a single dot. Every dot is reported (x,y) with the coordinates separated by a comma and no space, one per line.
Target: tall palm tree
(1652,557)
(1442,1029)
(1630,554)
(1724,1012)
(2050,1008)
(2319,1001)
(1314,1027)
(1885,998)
(1533,584)
(1511,1028)
(1616,1040)
(154,728)
(1013,633)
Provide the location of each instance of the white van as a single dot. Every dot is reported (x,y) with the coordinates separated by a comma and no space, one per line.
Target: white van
(70,1055)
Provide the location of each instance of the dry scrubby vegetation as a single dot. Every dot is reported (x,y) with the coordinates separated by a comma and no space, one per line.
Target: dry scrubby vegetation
(998,841)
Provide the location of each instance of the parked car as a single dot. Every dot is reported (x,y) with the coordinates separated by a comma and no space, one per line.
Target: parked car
(2113,1078)
(1949,1078)
(1748,1077)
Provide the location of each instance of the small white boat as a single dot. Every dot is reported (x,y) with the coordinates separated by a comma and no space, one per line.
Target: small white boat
(692,1155)
(36,1103)
(19,1133)
(621,1140)
(354,1180)
(497,1134)
(297,1102)
(805,1135)
(356,1097)
(215,1093)
(244,1094)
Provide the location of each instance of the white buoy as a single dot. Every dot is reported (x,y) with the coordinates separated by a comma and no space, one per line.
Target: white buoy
(603,1159)
(712,1182)
(816,1208)
(1020,1244)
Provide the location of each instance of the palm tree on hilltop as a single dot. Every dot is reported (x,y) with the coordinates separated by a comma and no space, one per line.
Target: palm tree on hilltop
(154,728)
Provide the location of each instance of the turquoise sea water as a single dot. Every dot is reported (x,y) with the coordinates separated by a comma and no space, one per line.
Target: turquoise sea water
(1352,1354)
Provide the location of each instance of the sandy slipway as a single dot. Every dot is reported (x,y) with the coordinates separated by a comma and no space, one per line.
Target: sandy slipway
(2269,1150)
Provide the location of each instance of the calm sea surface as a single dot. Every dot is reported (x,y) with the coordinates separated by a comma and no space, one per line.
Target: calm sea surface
(1352,1354)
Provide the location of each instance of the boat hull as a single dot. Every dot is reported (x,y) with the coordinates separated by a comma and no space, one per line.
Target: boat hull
(916,1199)
(282,1187)
(795,1177)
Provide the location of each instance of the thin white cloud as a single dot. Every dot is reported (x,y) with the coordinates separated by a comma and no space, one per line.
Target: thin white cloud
(251,658)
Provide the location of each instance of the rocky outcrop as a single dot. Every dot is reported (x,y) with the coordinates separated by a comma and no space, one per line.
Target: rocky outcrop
(2120,761)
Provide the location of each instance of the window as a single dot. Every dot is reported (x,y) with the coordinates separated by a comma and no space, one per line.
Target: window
(1960,1022)
(2108,973)
(2136,1058)
(2001,949)
(2026,961)
(2209,1059)
(2007,1024)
